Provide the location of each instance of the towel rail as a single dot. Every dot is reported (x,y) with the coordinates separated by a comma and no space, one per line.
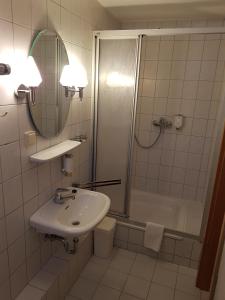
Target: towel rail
(166,234)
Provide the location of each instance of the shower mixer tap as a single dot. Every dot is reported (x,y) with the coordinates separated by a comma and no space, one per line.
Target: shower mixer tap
(162,123)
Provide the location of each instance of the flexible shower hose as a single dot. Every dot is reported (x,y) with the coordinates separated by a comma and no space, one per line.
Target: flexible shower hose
(151,145)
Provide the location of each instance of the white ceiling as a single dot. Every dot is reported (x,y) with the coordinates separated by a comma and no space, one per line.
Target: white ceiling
(125,10)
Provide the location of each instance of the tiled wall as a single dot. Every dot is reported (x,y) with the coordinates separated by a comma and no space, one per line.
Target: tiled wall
(185,252)
(179,75)
(25,186)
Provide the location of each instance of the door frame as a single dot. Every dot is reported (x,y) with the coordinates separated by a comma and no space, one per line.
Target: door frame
(214,225)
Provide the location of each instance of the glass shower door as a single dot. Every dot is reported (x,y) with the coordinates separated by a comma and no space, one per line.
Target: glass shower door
(114,115)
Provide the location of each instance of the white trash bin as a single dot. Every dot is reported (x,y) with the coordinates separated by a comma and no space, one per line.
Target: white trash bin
(103,237)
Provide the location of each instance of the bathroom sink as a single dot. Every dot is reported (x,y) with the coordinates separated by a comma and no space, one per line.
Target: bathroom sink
(73,218)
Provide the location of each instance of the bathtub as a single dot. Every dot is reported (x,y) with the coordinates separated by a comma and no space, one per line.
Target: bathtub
(175,214)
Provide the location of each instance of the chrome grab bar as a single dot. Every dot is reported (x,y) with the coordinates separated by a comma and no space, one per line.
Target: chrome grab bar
(94,184)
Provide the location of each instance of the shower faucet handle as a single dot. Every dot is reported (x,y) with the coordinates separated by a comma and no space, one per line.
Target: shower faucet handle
(162,123)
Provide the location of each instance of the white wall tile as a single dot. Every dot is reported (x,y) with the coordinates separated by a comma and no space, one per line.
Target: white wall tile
(199,127)
(5,10)
(178,69)
(205,90)
(4,270)
(166,50)
(190,89)
(148,89)
(22,12)
(191,177)
(180,50)
(163,70)
(202,109)
(152,50)
(3,241)
(12,190)
(180,159)
(178,175)
(15,225)
(16,254)
(162,88)
(192,70)
(195,50)
(44,176)
(187,108)
(182,143)
(5,290)
(10,160)
(8,124)
(211,49)
(53,15)
(208,69)
(196,144)
(150,69)
(39,14)
(175,90)
(30,184)
(18,280)
(33,264)
(2,211)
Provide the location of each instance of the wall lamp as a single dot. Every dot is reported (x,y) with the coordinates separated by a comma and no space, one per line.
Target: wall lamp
(5,69)
(74,81)
(32,79)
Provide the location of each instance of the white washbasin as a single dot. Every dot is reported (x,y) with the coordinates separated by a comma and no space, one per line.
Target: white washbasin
(74,217)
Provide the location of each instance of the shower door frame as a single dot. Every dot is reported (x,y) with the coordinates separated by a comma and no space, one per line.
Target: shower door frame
(96,57)
(133,34)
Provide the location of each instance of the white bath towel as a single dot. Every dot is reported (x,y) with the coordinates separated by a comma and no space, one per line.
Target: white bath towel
(153,236)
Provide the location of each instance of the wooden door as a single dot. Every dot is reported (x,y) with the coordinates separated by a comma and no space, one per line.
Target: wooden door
(214,225)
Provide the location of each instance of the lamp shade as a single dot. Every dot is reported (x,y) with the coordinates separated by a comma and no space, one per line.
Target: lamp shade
(80,76)
(32,76)
(67,77)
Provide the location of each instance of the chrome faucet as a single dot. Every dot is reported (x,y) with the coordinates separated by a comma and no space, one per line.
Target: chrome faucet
(63,194)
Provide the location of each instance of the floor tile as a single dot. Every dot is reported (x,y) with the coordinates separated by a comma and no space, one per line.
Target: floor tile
(143,270)
(83,289)
(167,265)
(164,277)
(100,261)
(122,263)
(93,271)
(104,292)
(186,283)
(128,297)
(136,287)
(125,253)
(183,296)
(114,279)
(144,258)
(187,271)
(160,292)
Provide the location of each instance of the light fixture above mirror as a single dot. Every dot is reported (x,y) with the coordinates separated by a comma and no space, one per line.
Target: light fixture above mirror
(31,80)
(73,79)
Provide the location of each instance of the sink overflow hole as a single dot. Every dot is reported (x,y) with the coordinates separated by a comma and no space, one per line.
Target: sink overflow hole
(76,223)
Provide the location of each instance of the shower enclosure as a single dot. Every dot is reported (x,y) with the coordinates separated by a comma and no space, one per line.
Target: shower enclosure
(142,77)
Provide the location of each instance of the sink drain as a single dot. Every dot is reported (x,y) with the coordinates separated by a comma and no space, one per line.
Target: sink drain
(75,223)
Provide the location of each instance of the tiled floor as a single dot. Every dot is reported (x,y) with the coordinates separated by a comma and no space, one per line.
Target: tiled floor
(130,276)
